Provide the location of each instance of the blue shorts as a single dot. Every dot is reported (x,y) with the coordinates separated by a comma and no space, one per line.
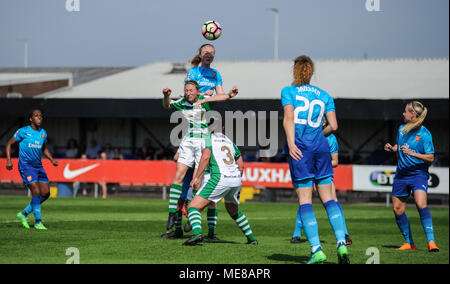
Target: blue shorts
(311,182)
(314,167)
(186,194)
(32,174)
(405,185)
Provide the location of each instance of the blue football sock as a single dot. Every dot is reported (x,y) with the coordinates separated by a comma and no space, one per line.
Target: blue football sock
(298,225)
(405,227)
(310,226)
(427,223)
(36,204)
(335,218)
(27,210)
(343,217)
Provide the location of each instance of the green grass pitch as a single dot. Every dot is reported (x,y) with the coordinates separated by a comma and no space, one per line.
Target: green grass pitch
(128,231)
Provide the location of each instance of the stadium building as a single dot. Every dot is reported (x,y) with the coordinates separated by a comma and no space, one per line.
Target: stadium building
(123,106)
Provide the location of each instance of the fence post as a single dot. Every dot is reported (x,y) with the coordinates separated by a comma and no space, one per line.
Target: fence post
(164,192)
(96,190)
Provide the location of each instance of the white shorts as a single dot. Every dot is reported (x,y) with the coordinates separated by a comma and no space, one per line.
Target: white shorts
(228,188)
(190,150)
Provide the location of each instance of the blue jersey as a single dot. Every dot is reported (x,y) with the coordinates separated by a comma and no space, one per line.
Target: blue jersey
(30,145)
(310,105)
(332,142)
(207,78)
(419,141)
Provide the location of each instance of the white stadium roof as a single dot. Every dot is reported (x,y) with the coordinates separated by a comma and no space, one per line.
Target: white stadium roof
(9,78)
(347,79)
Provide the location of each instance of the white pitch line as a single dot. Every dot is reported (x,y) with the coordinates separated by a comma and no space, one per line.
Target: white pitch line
(161,220)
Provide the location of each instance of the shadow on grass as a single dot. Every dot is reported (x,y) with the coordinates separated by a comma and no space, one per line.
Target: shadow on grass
(391,247)
(205,240)
(220,242)
(298,242)
(289,258)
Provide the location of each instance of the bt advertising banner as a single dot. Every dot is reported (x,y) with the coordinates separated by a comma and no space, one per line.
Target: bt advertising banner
(381,179)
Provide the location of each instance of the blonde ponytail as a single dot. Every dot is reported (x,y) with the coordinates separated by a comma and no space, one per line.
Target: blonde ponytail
(420,111)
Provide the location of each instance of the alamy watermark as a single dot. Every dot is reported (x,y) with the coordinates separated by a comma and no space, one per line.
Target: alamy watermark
(73,5)
(74,254)
(262,131)
(373,5)
(374,254)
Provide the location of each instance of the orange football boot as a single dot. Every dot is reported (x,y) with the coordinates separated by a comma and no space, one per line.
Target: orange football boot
(184,210)
(432,247)
(407,246)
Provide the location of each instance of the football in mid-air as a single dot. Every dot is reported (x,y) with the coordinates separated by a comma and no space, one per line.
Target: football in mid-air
(211,30)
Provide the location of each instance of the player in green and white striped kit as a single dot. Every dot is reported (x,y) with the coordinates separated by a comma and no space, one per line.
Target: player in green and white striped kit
(227,165)
(194,107)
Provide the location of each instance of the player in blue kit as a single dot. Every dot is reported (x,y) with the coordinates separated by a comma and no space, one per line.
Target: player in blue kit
(309,157)
(32,139)
(334,151)
(210,85)
(415,153)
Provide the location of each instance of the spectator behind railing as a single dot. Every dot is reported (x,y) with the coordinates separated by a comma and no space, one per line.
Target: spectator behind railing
(93,149)
(145,153)
(116,155)
(108,151)
(72,151)
(102,156)
(82,185)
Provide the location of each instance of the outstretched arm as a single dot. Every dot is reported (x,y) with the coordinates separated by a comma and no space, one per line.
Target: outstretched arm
(166,101)
(220,96)
(231,93)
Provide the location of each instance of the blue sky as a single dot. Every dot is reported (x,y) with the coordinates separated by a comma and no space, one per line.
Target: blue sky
(138,32)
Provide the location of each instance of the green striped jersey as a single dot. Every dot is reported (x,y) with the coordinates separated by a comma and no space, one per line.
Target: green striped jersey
(195,115)
(224,154)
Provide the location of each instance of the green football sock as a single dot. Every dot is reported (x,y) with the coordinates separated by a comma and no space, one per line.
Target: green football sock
(196,220)
(242,222)
(212,215)
(174,195)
